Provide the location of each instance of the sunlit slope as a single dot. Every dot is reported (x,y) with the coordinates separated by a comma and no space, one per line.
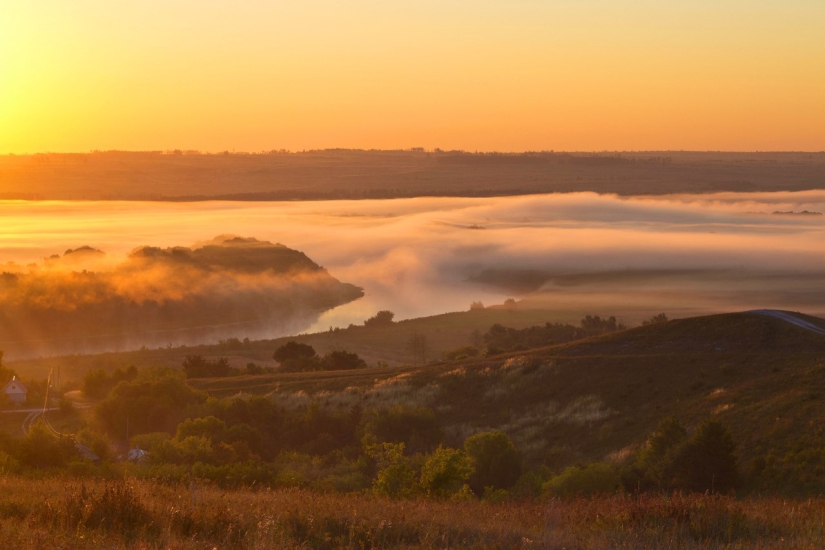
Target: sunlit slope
(599,398)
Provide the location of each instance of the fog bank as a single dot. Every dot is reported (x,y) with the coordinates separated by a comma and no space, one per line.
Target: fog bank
(422,256)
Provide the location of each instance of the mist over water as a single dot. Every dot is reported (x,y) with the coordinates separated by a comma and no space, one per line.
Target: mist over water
(571,252)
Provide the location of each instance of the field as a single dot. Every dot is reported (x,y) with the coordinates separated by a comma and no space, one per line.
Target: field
(67,513)
(348,174)
(588,402)
(444,332)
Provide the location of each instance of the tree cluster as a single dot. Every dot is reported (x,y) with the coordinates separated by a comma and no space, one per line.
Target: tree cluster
(381,319)
(499,339)
(297,357)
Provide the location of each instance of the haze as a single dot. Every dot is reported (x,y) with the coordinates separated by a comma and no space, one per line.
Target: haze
(424,256)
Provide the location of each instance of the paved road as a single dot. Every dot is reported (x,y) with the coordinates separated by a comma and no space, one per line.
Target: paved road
(789,317)
(31,416)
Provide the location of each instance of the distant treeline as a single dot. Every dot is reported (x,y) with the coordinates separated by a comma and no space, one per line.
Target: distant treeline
(351,194)
(500,339)
(547,158)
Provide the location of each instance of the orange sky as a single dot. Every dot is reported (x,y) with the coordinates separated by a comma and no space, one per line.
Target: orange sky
(486,75)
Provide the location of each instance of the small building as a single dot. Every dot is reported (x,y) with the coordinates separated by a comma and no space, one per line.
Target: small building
(15,392)
(137,455)
(86,452)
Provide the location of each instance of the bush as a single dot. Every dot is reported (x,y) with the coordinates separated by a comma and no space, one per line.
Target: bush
(654,463)
(445,472)
(397,473)
(342,360)
(381,319)
(296,357)
(656,319)
(292,351)
(707,462)
(154,401)
(669,460)
(416,427)
(95,441)
(593,479)
(461,353)
(40,449)
(195,366)
(97,383)
(496,461)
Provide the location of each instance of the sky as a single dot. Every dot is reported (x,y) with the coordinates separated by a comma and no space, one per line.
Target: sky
(506,75)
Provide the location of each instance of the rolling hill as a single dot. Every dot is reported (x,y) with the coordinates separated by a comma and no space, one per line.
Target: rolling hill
(598,399)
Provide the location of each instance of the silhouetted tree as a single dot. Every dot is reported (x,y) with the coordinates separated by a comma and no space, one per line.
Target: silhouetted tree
(656,319)
(419,346)
(381,319)
(293,350)
(342,360)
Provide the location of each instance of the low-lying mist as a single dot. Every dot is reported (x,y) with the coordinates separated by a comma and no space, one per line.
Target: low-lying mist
(579,252)
(84,301)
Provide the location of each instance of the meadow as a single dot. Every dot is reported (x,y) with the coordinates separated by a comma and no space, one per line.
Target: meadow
(129,514)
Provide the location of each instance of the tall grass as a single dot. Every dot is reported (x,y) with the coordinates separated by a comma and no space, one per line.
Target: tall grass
(53,513)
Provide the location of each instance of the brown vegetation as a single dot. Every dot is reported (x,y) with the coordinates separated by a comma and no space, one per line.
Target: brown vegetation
(67,513)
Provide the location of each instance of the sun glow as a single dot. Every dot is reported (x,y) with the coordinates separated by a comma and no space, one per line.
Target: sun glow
(484,75)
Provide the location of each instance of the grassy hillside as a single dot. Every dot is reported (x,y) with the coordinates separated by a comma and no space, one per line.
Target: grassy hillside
(599,398)
(388,344)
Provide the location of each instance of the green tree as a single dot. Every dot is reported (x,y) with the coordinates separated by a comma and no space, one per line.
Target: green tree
(416,427)
(654,463)
(396,475)
(445,472)
(155,401)
(707,462)
(496,461)
(41,449)
(208,427)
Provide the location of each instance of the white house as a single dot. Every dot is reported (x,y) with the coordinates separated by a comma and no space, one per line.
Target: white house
(15,392)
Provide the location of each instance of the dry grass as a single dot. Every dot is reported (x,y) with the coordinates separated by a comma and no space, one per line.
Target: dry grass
(55,513)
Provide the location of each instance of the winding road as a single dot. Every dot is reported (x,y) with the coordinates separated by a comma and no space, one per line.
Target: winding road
(31,416)
(789,317)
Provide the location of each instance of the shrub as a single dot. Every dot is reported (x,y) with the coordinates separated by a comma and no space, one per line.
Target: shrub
(445,472)
(593,479)
(416,427)
(669,460)
(381,319)
(342,360)
(154,401)
(292,351)
(40,449)
(654,463)
(396,474)
(496,461)
(656,319)
(95,441)
(461,353)
(195,366)
(707,462)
